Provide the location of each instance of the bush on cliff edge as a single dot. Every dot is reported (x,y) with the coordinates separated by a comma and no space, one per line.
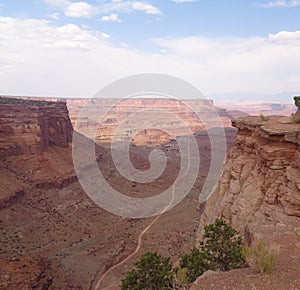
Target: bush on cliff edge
(151,272)
(220,250)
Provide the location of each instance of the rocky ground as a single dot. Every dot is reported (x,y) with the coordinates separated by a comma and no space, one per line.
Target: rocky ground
(54,237)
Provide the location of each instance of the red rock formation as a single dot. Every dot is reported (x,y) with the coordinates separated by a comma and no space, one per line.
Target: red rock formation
(261,177)
(186,114)
(30,127)
(259,194)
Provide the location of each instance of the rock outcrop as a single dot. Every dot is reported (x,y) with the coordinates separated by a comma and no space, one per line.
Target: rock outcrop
(259,188)
(28,126)
(258,193)
(171,115)
(29,132)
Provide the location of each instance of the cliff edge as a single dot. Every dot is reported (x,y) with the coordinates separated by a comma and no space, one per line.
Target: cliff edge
(29,127)
(258,193)
(34,146)
(261,178)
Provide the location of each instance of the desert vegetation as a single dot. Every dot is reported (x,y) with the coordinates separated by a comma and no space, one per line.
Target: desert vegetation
(152,272)
(27,102)
(263,117)
(221,250)
(261,257)
(295,118)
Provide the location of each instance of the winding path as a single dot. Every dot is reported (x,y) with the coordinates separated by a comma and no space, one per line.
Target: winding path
(137,247)
(97,287)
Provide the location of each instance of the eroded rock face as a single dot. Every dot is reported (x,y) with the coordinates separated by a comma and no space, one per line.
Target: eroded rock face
(27,128)
(260,182)
(172,116)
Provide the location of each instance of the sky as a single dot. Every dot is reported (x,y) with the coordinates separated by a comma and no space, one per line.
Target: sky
(228,49)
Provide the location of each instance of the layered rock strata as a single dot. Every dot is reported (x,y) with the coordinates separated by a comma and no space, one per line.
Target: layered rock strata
(28,126)
(259,189)
(121,117)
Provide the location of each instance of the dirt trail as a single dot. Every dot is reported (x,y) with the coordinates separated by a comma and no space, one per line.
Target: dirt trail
(137,247)
(97,287)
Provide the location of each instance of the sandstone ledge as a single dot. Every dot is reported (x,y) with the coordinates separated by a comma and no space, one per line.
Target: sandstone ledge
(272,128)
(260,182)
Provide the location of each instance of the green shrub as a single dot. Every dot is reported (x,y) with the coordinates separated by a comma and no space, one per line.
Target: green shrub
(24,102)
(262,257)
(220,250)
(194,263)
(152,272)
(181,277)
(263,117)
(222,246)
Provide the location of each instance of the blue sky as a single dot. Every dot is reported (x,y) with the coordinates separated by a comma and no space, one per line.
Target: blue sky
(224,47)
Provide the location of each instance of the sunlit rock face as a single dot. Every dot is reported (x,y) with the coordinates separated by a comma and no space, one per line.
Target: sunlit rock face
(32,126)
(170,118)
(259,187)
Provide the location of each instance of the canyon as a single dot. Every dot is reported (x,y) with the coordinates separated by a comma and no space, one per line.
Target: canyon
(53,236)
(172,118)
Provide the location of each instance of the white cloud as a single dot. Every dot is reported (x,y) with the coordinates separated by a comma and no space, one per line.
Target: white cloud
(84,9)
(55,16)
(105,35)
(111,18)
(128,7)
(79,9)
(73,9)
(184,1)
(34,34)
(63,4)
(145,7)
(285,36)
(37,58)
(281,3)
(239,65)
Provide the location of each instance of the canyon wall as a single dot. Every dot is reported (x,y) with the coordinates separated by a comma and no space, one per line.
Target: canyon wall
(258,192)
(28,126)
(192,114)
